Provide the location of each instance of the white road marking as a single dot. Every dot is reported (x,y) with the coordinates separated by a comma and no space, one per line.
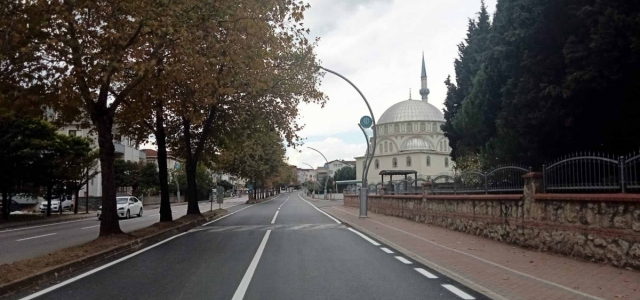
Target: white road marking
(285,201)
(244,284)
(403,260)
(326,214)
(237,211)
(68,281)
(425,273)
(153,215)
(365,237)
(386,250)
(90,227)
(52,224)
(480,259)
(274,217)
(458,292)
(35,237)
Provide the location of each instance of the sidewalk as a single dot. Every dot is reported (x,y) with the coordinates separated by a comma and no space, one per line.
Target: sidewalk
(498,270)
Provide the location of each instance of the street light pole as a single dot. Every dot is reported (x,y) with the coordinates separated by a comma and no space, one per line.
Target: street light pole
(364,191)
(325,179)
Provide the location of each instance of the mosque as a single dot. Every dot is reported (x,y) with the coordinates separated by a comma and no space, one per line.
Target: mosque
(409,139)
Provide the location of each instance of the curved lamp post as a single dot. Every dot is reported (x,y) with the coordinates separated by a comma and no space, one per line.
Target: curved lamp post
(364,191)
(327,175)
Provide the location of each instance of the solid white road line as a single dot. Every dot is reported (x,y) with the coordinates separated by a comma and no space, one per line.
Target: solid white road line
(35,237)
(403,260)
(90,227)
(153,215)
(68,281)
(364,237)
(425,273)
(326,214)
(274,217)
(386,250)
(52,224)
(285,201)
(237,211)
(244,284)
(458,292)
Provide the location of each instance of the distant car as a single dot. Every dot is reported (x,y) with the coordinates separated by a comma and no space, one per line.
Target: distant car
(67,204)
(127,206)
(13,206)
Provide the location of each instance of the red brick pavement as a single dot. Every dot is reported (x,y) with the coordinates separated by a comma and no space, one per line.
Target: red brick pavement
(499,270)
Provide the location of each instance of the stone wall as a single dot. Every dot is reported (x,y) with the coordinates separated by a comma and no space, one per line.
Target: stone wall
(597,227)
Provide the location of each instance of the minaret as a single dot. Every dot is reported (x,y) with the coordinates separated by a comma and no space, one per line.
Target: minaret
(424,91)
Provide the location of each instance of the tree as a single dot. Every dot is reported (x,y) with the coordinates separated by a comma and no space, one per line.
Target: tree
(86,169)
(141,177)
(345,173)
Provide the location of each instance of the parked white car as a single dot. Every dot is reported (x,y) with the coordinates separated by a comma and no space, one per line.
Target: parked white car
(127,206)
(67,204)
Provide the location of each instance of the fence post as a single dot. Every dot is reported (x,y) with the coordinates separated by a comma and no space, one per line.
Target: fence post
(622,183)
(486,189)
(544,180)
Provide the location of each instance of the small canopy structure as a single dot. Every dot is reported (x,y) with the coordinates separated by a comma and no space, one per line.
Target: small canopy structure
(390,173)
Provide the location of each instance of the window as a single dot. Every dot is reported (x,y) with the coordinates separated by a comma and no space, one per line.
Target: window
(377,164)
(410,127)
(408,161)
(395,162)
(423,127)
(391,147)
(428,161)
(396,128)
(437,128)
(117,138)
(446,162)
(386,148)
(385,130)
(73,133)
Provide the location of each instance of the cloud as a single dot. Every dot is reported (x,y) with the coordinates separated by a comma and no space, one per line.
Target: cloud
(332,148)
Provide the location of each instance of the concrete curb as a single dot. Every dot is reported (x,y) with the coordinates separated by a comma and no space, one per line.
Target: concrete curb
(91,260)
(453,275)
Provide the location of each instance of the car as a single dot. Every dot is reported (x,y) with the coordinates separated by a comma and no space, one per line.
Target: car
(13,206)
(127,206)
(67,204)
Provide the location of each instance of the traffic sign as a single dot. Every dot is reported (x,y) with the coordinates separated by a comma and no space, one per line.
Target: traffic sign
(366,121)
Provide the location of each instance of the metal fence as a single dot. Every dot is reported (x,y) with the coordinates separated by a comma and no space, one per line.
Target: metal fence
(593,172)
(503,179)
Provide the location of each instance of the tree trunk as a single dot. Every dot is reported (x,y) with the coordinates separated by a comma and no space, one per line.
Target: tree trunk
(165,204)
(5,206)
(191,166)
(75,203)
(104,124)
(49,200)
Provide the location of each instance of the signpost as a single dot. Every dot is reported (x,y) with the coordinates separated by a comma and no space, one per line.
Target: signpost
(366,121)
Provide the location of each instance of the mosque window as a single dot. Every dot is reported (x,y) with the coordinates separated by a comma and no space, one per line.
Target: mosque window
(395,162)
(423,127)
(386,148)
(377,164)
(408,161)
(396,128)
(409,127)
(391,147)
(446,162)
(428,161)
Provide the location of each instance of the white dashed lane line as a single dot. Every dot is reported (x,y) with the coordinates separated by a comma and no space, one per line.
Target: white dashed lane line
(458,292)
(35,237)
(403,260)
(386,250)
(365,237)
(426,273)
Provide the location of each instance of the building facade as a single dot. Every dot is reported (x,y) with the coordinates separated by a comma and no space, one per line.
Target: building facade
(335,165)
(125,148)
(409,138)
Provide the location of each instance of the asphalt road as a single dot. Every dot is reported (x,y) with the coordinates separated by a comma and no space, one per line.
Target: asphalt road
(281,249)
(28,242)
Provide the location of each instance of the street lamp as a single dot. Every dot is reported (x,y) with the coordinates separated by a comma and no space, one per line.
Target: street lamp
(363,192)
(325,179)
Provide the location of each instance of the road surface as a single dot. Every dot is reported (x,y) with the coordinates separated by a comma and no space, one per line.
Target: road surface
(33,241)
(285,248)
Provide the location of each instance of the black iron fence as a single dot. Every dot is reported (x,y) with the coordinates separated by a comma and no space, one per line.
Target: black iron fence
(592,172)
(504,179)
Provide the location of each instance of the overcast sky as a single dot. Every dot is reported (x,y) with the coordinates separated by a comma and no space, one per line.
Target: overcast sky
(378,45)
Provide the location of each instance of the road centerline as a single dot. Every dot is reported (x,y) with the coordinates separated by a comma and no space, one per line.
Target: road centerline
(35,237)
(246,279)
(274,217)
